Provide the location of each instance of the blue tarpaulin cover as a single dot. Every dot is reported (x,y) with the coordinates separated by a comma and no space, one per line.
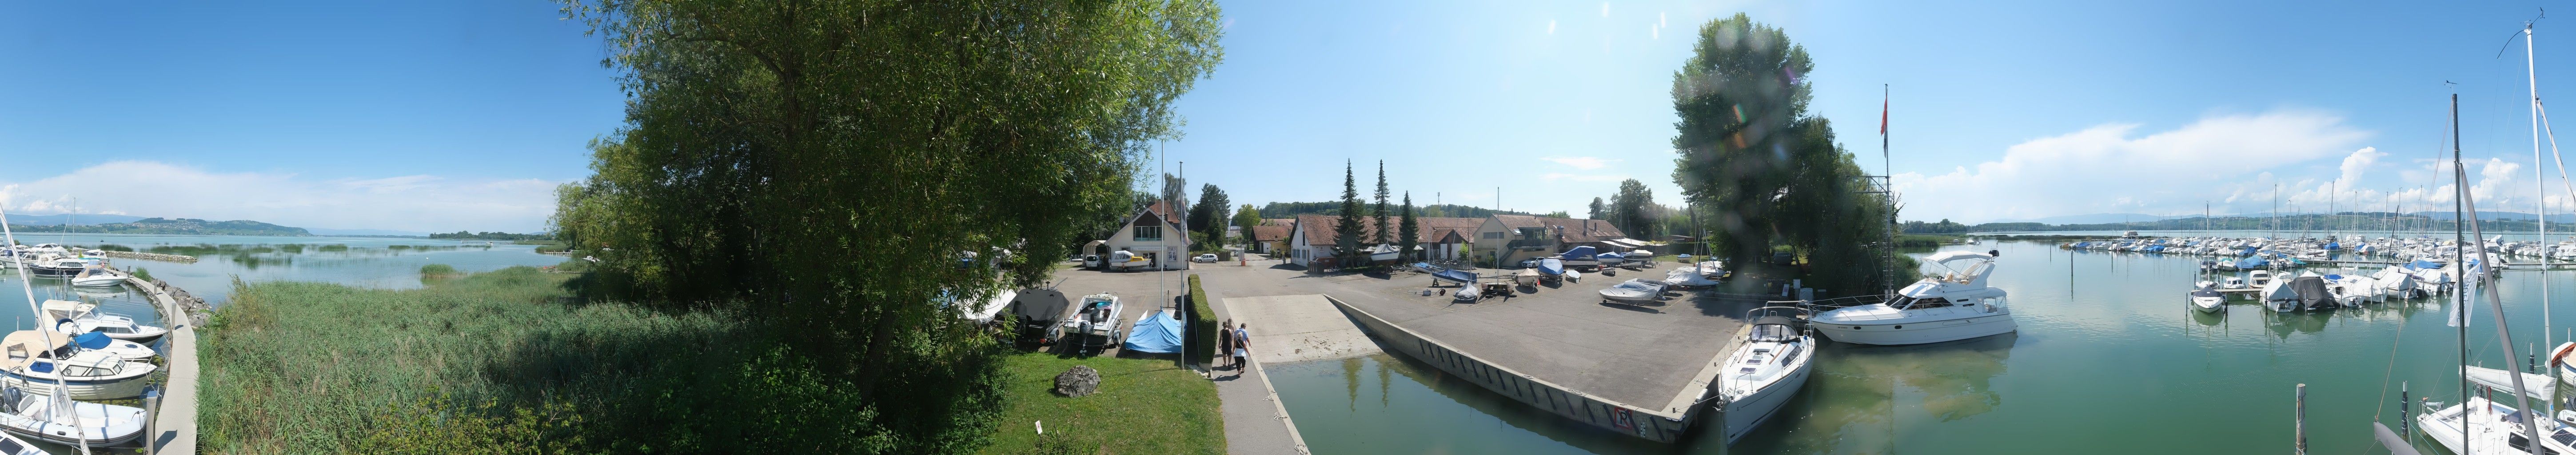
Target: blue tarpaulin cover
(1158,333)
(92,340)
(1580,252)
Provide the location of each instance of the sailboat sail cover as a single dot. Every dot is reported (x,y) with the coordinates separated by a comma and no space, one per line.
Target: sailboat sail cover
(2538,386)
(1158,333)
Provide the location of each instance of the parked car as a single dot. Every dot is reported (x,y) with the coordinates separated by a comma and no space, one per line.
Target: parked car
(1090,261)
(1204,257)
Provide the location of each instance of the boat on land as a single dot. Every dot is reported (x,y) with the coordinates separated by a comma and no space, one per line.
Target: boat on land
(1466,294)
(1955,304)
(78,318)
(1610,259)
(2208,299)
(1551,268)
(55,419)
(36,363)
(1632,292)
(1039,310)
(1462,277)
(1580,257)
(1094,322)
(1689,276)
(1769,366)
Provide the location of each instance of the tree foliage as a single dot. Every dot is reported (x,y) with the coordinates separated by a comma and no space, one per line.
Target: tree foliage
(1380,236)
(1347,228)
(1407,231)
(1209,217)
(822,166)
(1599,211)
(1769,172)
(1634,211)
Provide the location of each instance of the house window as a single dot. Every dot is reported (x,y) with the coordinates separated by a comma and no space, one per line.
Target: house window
(1493,235)
(1149,233)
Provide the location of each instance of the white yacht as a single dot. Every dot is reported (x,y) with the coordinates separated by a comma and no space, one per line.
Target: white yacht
(1094,322)
(35,363)
(1767,368)
(2232,283)
(1954,305)
(2259,278)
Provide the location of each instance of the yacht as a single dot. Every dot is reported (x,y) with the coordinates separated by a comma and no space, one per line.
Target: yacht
(34,363)
(1954,305)
(1767,368)
(2232,283)
(2495,428)
(2259,278)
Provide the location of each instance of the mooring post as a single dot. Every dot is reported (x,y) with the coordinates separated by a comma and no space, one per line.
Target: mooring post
(2300,425)
(2404,398)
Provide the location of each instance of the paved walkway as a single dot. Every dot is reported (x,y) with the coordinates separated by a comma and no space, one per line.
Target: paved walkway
(1255,422)
(174,425)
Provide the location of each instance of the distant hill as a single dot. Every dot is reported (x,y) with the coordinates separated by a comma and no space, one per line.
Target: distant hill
(70,218)
(170,226)
(366,232)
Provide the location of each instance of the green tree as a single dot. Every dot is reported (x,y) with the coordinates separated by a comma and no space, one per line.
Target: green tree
(1632,209)
(1557,214)
(1407,234)
(802,163)
(1209,216)
(1247,217)
(1599,210)
(1765,170)
(1347,228)
(1380,212)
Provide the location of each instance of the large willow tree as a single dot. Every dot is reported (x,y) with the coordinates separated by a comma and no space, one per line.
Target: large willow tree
(822,166)
(1764,170)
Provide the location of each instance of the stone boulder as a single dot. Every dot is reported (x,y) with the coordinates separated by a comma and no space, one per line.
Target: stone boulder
(1079,381)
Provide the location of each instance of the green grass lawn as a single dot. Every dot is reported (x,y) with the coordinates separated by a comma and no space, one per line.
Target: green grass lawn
(1145,406)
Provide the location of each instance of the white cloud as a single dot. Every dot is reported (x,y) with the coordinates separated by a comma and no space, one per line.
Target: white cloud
(1555,176)
(1551,26)
(2111,168)
(414,203)
(1581,162)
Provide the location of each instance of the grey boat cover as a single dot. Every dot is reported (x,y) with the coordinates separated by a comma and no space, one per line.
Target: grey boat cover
(1040,306)
(2312,292)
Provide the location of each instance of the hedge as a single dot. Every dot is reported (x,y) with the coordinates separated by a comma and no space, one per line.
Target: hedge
(1203,329)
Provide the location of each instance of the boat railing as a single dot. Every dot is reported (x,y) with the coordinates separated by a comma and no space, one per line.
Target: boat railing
(1840,302)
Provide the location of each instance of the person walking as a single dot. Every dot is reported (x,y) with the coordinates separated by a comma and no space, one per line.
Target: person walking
(1225,344)
(1242,356)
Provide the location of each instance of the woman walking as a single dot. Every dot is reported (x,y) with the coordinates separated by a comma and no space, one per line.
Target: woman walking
(1242,338)
(1225,344)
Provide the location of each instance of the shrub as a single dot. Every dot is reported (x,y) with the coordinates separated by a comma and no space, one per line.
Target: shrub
(1202,325)
(437,270)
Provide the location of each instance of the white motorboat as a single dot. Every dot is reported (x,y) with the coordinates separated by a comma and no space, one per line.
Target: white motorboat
(98,277)
(1953,305)
(35,364)
(50,264)
(1638,259)
(1632,292)
(78,318)
(1610,259)
(1465,294)
(1094,321)
(2259,278)
(54,419)
(2232,283)
(1770,366)
(1690,276)
(2208,300)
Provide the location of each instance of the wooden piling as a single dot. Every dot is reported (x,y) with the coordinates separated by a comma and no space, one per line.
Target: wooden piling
(2300,425)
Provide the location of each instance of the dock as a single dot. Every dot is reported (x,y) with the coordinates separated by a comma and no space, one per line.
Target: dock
(173,428)
(149,256)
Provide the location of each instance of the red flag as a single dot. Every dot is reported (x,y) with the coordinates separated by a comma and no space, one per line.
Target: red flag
(1882,116)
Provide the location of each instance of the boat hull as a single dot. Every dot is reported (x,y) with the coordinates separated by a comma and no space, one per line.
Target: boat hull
(1919,332)
(82,390)
(2208,304)
(1745,414)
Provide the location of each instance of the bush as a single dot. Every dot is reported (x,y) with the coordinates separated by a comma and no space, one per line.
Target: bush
(437,270)
(146,275)
(1202,325)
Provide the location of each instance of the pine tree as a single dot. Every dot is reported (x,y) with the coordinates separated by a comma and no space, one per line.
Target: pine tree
(1380,213)
(1348,227)
(1409,234)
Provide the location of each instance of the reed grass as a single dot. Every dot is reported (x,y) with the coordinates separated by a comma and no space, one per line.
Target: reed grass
(505,362)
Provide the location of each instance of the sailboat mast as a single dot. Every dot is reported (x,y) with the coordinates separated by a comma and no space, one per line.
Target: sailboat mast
(2540,192)
(2459,291)
(2495,301)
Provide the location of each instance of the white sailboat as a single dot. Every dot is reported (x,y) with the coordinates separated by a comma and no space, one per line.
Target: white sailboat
(1768,367)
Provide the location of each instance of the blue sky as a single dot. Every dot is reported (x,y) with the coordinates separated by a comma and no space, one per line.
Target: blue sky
(461,115)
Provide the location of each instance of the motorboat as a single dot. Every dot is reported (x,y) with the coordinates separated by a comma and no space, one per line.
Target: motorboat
(36,363)
(2259,278)
(1610,259)
(1466,294)
(1551,268)
(1094,321)
(1038,311)
(2208,300)
(1767,368)
(1955,304)
(127,350)
(1576,275)
(1689,276)
(1461,277)
(1580,257)
(2310,293)
(53,418)
(1638,259)
(98,277)
(1632,292)
(78,318)
(2231,283)
(1384,253)
(51,264)
(2495,428)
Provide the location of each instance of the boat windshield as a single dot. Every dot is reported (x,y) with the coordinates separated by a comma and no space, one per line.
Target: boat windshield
(1772,333)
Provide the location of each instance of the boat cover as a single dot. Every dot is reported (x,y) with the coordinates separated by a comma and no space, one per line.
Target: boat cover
(1580,252)
(1552,266)
(2421,264)
(92,340)
(2207,292)
(1459,276)
(1158,333)
(2539,386)
(2312,292)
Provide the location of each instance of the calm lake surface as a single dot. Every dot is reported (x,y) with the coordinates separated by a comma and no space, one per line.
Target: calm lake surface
(2108,360)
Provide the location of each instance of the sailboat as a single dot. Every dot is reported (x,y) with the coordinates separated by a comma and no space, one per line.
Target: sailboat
(1767,368)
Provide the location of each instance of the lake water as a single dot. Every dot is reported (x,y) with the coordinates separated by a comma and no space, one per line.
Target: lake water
(2108,360)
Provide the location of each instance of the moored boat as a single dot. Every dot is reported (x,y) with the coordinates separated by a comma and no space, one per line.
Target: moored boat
(1769,366)
(1954,305)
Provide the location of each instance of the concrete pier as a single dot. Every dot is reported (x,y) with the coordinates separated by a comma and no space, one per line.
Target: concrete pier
(174,418)
(149,256)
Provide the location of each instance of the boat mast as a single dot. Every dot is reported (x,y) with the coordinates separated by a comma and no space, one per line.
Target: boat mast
(2495,302)
(62,391)
(2540,192)
(2459,292)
